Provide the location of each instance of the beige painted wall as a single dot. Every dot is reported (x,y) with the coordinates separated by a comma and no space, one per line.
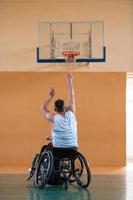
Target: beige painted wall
(18,24)
(100,110)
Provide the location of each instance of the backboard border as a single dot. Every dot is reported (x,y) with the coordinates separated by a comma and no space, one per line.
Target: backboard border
(78,60)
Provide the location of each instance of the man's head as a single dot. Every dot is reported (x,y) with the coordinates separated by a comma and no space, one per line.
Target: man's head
(59,105)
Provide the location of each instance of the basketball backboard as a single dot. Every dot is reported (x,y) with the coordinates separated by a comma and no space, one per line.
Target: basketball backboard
(86,38)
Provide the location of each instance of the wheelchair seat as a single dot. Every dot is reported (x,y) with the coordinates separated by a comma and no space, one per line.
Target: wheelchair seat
(65,153)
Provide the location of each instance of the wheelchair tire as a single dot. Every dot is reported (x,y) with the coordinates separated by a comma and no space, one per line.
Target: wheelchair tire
(44,169)
(84,171)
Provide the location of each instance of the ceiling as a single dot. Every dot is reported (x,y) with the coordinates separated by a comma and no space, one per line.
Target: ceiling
(61,1)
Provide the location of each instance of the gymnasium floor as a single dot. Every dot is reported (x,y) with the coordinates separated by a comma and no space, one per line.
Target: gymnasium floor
(106,184)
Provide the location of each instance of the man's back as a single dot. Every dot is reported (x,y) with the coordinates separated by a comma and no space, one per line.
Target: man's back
(64,132)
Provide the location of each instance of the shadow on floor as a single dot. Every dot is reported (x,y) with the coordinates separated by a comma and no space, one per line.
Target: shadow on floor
(59,193)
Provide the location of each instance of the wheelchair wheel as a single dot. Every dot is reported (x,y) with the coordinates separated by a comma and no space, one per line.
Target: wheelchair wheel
(33,167)
(44,169)
(82,171)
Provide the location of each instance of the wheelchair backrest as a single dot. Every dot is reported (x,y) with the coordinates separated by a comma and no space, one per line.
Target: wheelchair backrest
(60,153)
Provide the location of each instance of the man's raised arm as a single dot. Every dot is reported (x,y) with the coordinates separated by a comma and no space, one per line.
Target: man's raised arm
(71,96)
(44,108)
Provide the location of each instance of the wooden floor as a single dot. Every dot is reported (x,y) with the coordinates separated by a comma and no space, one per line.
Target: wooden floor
(106,184)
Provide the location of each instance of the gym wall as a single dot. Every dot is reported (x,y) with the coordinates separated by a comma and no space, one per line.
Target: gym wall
(100,111)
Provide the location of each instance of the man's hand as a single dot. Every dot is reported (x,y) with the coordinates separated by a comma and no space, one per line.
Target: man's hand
(52,92)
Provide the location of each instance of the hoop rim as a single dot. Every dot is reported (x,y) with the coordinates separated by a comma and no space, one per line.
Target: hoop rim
(70,54)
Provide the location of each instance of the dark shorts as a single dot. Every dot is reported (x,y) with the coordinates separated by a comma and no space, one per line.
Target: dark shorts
(60,152)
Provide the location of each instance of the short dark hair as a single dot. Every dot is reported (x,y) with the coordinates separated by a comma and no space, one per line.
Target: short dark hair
(59,105)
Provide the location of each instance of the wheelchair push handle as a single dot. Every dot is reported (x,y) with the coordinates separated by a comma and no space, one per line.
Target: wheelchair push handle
(49,138)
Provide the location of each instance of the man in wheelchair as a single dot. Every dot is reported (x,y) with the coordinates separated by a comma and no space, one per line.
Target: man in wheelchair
(63,146)
(64,125)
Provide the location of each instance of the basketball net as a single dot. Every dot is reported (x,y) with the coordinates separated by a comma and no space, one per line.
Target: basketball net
(70,50)
(70,56)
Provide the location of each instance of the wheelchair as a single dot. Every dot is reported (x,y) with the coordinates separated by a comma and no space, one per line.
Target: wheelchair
(60,166)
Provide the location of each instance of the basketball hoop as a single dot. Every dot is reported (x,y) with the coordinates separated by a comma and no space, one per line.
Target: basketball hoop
(70,56)
(70,50)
